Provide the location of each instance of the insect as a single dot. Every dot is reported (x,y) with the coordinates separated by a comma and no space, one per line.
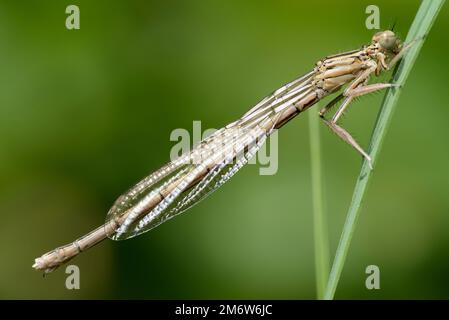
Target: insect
(182,183)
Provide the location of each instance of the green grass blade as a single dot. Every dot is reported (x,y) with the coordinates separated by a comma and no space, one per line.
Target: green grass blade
(320,231)
(420,27)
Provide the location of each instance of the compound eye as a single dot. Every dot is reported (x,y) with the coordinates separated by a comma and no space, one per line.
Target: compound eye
(388,42)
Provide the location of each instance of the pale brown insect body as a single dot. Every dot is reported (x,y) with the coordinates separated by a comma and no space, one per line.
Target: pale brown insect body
(181,184)
(354,68)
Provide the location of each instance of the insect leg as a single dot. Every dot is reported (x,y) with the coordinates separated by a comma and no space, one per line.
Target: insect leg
(366,89)
(403,51)
(345,136)
(356,89)
(329,106)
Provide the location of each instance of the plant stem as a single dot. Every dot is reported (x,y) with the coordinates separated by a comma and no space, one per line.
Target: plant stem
(319,220)
(420,27)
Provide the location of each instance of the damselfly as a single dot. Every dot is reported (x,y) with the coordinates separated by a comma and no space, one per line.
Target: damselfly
(185,181)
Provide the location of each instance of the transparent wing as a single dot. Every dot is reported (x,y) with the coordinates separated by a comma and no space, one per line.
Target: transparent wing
(280,99)
(190,183)
(187,180)
(216,177)
(148,189)
(131,204)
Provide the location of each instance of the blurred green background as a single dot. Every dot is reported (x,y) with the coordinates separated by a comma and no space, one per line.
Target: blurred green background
(85,114)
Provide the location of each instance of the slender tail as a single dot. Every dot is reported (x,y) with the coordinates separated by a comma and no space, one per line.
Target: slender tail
(53,259)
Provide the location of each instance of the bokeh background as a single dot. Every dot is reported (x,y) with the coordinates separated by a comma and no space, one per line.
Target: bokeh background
(85,114)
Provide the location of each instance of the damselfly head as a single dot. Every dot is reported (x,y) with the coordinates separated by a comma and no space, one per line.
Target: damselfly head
(387,41)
